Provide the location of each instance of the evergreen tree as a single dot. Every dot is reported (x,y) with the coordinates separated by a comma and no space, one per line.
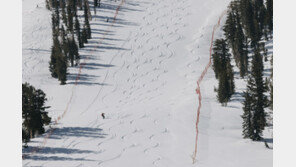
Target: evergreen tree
(257,88)
(239,48)
(247,116)
(64,44)
(95,3)
(64,16)
(223,71)
(33,112)
(70,16)
(73,51)
(57,13)
(271,85)
(55,50)
(248,19)
(223,89)
(86,21)
(84,35)
(269,15)
(78,33)
(230,29)
(61,68)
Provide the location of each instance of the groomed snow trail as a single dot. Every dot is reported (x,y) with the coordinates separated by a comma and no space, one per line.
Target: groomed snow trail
(142,76)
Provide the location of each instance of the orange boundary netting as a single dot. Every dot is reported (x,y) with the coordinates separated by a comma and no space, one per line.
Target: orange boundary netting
(199,82)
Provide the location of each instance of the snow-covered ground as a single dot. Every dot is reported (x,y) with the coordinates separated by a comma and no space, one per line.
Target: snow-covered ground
(142,75)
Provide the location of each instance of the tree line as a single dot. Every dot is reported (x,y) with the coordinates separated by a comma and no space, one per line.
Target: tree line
(66,30)
(248,25)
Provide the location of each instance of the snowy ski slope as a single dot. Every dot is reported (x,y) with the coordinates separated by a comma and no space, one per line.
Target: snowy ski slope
(141,72)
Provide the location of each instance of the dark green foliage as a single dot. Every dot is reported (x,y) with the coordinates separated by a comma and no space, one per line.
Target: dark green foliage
(247,22)
(230,28)
(269,15)
(73,51)
(78,33)
(64,43)
(64,16)
(55,50)
(223,90)
(33,112)
(70,16)
(58,59)
(220,56)
(247,116)
(95,3)
(86,21)
(271,85)
(239,48)
(84,35)
(235,37)
(256,87)
(223,71)
(57,13)
(61,68)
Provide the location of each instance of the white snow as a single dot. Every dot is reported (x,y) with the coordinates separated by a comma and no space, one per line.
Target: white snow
(142,75)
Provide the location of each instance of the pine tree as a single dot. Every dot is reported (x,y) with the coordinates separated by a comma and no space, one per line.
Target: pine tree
(73,51)
(271,85)
(257,88)
(78,33)
(248,19)
(230,29)
(247,116)
(223,87)
(86,21)
(84,35)
(55,50)
(64,44)
(70,16)
(33,112)
(57,13)
(239,48)
(95,3)
(61,68)
(223,71)
(269,15)
(64,16)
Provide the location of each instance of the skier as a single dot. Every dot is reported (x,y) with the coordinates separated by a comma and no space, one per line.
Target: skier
(103,115)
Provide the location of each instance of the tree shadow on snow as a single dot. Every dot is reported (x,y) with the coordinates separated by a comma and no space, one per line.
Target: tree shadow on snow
(87,132)
(55,158)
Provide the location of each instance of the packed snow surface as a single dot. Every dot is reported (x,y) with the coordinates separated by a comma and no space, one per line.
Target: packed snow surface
(141,72)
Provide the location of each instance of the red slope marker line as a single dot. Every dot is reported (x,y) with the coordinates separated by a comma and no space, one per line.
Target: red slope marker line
(51,130)
(199,82)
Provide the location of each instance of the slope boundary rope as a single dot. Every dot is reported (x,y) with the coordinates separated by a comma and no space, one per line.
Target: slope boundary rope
(52,129)
(198,92)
